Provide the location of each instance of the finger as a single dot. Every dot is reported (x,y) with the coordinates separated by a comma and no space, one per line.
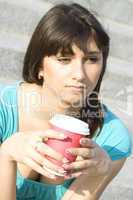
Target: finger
(87,142)
(53,169)
(44,149)
(72,175)
(77,173)
(41,160)
(52,134)
(79,165)
(31,163)
(83,152)
(36,156)
(79,158)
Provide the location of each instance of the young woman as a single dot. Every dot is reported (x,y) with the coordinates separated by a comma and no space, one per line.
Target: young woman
(63,69)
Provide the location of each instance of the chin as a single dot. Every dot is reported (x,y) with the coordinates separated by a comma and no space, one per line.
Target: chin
(73,103)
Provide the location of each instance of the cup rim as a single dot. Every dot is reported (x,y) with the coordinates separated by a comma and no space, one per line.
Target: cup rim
(67,123)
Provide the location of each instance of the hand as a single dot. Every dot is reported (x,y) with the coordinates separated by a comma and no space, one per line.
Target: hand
(92,159)
(30,149)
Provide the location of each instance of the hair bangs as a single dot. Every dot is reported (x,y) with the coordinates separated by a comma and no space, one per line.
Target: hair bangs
(64,38)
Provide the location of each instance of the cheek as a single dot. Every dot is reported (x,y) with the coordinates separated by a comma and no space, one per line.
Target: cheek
(54,72)
(49,71)
(93,74)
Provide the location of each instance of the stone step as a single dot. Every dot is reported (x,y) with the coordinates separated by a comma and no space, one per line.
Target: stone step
(120,67)
(14,41)
(41,7)
(10,64)
(121,47)
(15,47)
(26,20)
(123,109)
(38,6)
(17,19)
(116,86)
(122,10)
(121,188)
(118,193)
(117,93)
(114,27)
(14,37)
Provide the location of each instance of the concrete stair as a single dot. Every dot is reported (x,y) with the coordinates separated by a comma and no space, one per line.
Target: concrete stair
(17,22)
(121,188)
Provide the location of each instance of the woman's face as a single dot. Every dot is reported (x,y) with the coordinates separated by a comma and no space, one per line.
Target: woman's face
(71,77)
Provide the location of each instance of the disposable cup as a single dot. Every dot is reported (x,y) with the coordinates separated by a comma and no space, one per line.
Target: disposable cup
(73,128)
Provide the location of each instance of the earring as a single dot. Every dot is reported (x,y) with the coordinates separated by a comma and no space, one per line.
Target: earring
(40,76)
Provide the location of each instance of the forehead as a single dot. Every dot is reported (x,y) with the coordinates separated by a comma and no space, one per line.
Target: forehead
(91,47)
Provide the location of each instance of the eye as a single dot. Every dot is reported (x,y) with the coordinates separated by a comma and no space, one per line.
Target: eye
(64,60)
(92,60)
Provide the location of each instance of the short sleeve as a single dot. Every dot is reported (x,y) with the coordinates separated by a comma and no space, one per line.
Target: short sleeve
(1,132)
(119,144)
(115,138)
(1,117)
(8,110)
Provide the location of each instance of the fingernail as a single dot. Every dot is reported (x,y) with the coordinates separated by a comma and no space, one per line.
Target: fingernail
(62,171)
(68,151)
(45,139)
(65,160)
(68,176)
(52,176)
(66,166)
(63,136)
(83,141)
(78,174)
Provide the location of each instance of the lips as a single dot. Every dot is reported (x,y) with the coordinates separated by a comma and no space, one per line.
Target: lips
(76,86)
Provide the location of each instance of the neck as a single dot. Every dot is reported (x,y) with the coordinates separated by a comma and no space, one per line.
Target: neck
(49,104)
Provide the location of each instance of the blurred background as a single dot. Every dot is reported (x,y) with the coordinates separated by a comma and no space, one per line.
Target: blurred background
(17,22)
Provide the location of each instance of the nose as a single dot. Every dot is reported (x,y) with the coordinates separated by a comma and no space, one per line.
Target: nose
(78,71)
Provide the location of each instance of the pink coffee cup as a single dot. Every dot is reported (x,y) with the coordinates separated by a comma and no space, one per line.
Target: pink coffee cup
(74,128)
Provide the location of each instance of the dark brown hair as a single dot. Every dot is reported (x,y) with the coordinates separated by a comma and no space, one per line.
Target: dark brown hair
(61,26)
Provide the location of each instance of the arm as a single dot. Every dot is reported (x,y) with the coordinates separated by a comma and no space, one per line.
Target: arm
(87,187)
(26,148)
(7,178)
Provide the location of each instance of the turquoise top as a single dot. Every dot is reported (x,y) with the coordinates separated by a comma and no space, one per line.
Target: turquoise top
(114,138)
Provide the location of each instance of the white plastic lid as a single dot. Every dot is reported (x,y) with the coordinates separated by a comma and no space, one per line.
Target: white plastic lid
(70,123)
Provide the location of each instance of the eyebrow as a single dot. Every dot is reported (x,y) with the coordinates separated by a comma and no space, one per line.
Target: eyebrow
(90,53)
(94,52)
(65,54)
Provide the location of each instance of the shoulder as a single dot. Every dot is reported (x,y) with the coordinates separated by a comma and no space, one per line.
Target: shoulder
(8,107)
(113,124)
(115,137)
(8,92)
